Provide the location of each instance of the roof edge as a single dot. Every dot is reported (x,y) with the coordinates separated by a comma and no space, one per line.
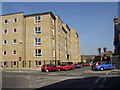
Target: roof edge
(12,13)
(41,14)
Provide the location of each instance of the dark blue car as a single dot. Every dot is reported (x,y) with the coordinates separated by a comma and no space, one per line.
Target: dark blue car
(104,65)
(78,65)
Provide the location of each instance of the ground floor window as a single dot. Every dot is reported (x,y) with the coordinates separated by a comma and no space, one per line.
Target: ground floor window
(4,64)
(37,63)
(14,63)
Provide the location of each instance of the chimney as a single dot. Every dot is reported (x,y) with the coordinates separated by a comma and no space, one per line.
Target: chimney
(116,20)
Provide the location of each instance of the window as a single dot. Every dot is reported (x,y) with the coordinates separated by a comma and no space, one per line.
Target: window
(53,53)
(4,53)
(37,41)
(5,21)
(53,32)
(14,64)
(38,52)
(52,21)
(37,30)
(37,63)
(5,31)
(14,41)
(53,42)
(4,64)
(15,20)
(14,30)
(14,52)
(37,19)
(5,42)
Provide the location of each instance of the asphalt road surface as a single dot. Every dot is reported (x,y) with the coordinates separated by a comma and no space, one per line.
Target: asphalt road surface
(77,78)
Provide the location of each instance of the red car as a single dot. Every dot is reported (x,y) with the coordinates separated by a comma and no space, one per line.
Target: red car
(49,67)
(64,67)
(72,66)
(85,64)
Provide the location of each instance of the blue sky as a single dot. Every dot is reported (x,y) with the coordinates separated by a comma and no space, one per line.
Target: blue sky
(92,20)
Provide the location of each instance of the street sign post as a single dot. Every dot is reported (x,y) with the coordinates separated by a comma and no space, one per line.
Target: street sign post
(20,59)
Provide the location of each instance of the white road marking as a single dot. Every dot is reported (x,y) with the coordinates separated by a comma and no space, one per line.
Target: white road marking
(107,73)
(97,80)
(104,79)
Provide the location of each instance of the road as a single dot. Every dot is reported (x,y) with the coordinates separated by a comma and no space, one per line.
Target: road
(77,78)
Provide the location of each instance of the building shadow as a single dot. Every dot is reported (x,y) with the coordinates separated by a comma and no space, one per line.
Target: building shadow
(87,83)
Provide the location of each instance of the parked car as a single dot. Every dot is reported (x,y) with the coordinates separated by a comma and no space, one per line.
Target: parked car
(85,64)
(72,66)
(78,65)
(103,65)
(49,67)
(64,67)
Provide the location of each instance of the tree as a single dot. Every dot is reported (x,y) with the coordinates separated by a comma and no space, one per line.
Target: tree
(105,49)
(99,50)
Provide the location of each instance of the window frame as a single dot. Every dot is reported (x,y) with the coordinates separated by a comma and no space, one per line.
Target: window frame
(36,32)
(13,52)
(14,20)
(37,21)
(5,20)
(4,54)
(3,65)
(53,31)
(37,43)
(37,63)
(14,32)
(6,42)
(13,41)
(4,31)
(35,54)
(13,64)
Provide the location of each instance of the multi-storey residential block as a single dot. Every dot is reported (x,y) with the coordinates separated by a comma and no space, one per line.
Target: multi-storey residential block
(13,36)
(75,46)
(29,41)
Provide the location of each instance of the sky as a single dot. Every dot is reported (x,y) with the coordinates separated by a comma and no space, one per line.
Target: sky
(93,21)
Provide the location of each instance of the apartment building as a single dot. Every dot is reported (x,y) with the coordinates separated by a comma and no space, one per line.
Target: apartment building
(29,41)
(75,46)
(12,39)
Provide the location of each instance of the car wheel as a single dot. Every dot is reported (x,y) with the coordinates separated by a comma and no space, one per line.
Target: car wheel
(58,69)
(101,68)
(47,70)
